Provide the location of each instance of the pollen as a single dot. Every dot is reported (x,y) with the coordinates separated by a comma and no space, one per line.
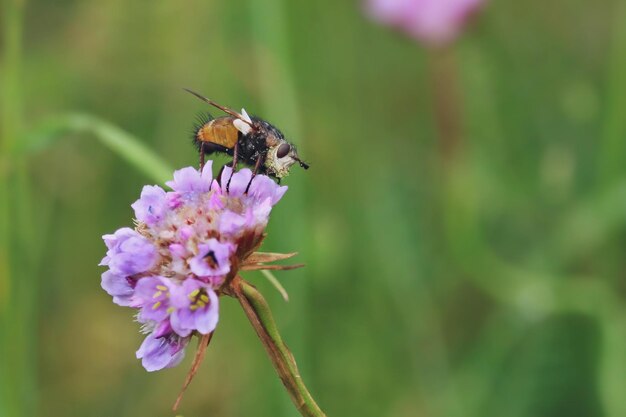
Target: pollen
(156,305)
(192,295)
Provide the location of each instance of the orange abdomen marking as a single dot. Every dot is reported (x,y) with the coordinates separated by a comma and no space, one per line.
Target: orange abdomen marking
(219,131)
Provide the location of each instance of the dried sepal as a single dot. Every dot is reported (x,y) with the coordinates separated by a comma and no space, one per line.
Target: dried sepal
(265,257)
(203,343)
(258,261)
(260,267)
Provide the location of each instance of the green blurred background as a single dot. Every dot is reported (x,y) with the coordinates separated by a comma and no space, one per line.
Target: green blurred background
(487,281)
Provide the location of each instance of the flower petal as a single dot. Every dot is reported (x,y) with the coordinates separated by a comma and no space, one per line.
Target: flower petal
(118,287)
(213,259)
(231,223)
(152,295)
(263,187)
(162,352)
(238,182)
(197,308)
(129,252)
(190,180)
(151,206)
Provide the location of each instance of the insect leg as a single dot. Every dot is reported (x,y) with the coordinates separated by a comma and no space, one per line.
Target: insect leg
(259,161)
(234,166)
(201,157)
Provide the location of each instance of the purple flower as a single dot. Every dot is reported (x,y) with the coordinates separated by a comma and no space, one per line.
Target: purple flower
(119,287)
(262,195)
(178,250)
(152,294)
(151,206)
(263,187)
(189,180)
(196,308)
(185,232)
(258,214)
(434,22)
(212,259)
(238,181)
(160,352)
(216,200)
(129,253)
(173,265)
(231,223)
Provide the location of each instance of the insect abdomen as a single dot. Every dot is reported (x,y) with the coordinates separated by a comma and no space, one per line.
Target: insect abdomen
(220,131)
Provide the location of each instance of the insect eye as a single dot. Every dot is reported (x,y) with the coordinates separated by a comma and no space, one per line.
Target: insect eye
(283,150)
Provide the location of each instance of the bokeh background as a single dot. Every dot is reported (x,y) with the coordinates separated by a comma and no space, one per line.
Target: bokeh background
(463,221)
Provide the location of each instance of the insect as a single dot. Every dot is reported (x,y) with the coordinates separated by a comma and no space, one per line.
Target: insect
(250,140)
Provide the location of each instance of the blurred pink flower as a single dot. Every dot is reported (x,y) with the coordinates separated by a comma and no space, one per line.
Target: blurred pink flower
(434,22)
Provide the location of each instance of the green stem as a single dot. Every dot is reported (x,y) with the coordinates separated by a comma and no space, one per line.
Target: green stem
(613,146)
(258,312)
(10,115)
(18,282)
(117,140)
(447,103)
(273,60)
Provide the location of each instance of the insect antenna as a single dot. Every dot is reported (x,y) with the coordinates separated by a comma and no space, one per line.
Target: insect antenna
(219,106)
(302,163)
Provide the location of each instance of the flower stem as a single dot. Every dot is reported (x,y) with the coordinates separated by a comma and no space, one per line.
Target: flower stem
(447,102)
(18,281)
(612,147)
(258,312)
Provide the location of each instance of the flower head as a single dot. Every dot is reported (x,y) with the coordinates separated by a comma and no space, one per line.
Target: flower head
(187,245)
(434,22)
